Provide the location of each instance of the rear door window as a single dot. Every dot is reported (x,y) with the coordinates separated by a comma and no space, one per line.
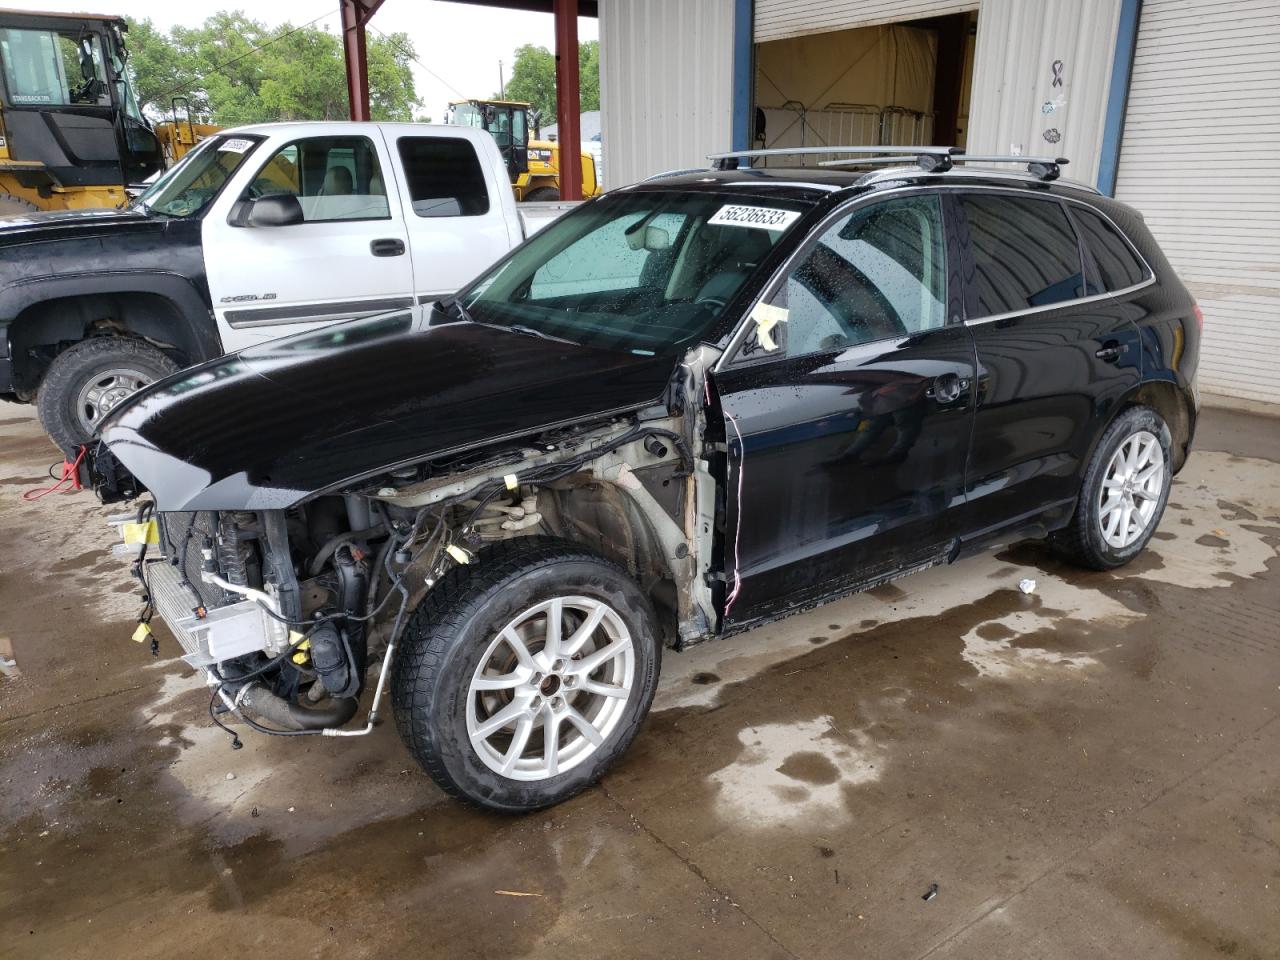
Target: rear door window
(1025,254)
(444,177)
(1118,266)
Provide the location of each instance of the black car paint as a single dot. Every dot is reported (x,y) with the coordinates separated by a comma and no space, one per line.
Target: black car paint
(54,255)
(275,424)
(813,510)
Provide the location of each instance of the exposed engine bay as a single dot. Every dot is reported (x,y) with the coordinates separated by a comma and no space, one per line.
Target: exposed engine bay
(285,610)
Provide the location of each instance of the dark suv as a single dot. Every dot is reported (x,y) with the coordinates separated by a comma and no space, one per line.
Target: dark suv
(685,409)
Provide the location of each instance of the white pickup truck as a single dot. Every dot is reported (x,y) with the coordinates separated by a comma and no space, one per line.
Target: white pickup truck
(261,232)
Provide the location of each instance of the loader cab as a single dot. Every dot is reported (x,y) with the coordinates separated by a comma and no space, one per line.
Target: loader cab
(507,121)
(69,113)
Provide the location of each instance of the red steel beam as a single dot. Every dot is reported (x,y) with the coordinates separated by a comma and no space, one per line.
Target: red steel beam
(568,98)
(355,14)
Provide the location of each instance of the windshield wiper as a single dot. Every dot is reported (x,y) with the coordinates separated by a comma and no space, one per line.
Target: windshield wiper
(456,303)
(531,332)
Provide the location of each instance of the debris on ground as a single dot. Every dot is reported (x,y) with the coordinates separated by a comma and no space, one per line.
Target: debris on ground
(515,893)
(931,892)
(1027,585)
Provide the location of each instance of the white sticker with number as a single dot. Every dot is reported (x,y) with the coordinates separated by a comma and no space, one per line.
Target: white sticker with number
(758,218)
(235,145)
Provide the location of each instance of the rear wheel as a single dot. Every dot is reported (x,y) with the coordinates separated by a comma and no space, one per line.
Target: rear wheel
(86,381)
(1124,492)
(526,675)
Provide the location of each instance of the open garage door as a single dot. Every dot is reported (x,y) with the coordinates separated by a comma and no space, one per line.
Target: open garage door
(778,19)
(1200,139)
(883,83)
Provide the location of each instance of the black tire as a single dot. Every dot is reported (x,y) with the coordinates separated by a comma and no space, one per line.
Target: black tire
(1082,542)
(75,368)
(542,194)
(450,632)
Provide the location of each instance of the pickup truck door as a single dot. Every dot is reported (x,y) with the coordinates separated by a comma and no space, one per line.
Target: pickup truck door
(460,216)
(348,257)
(848,425)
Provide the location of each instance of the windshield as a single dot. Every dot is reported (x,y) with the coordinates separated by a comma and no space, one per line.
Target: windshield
(644,272)
(465,115)
(54,67)
(192,184)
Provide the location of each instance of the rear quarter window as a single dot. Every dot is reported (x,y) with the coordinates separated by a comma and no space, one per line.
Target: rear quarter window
(444,177)
(1025,253)
(1118,266)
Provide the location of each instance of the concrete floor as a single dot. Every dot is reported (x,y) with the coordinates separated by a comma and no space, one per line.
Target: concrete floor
(1089,771)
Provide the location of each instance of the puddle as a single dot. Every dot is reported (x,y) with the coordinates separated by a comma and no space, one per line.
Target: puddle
(989,648)
(790,772)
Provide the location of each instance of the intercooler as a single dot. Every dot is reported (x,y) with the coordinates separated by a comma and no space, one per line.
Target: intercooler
(210,624)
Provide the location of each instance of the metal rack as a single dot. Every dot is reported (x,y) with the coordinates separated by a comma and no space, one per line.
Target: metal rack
(928,159)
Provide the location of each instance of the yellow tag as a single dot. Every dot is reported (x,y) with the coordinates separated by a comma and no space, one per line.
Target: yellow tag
(140,635)
(139,533)
(511,481)
(295,636)
(458,553)
(767,317)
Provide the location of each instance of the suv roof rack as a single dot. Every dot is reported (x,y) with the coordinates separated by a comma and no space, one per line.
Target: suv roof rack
(928,159)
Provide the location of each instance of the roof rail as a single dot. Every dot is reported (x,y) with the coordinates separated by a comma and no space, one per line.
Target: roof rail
(883,154)
(1044,168)
(928,158)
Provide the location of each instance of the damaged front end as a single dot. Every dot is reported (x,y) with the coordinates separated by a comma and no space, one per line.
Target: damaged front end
(286,609)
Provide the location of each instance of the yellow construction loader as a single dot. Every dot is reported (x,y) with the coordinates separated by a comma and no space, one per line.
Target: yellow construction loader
(180,134)
(71,133)
(533,164)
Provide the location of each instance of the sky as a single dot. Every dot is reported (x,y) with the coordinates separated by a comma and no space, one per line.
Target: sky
(459,45)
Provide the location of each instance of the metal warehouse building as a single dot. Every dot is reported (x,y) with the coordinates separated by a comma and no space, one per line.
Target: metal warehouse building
(1167,104)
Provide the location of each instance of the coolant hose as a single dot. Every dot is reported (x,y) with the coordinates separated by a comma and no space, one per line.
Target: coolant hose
(293,716)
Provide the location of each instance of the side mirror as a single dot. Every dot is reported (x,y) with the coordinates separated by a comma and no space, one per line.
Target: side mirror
(275,210)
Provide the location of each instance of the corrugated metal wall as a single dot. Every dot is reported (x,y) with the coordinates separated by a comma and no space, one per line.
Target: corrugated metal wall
(665,84)
(778,19)
(1015,100)
(1201,138)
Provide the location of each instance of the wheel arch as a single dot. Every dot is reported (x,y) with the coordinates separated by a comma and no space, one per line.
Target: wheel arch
(603,516)
(1175,408)
(49,315)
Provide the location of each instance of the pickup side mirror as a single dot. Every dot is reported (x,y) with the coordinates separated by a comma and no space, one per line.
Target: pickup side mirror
(274,210)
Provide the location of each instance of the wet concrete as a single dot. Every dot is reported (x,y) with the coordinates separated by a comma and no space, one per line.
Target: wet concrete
(1089,770)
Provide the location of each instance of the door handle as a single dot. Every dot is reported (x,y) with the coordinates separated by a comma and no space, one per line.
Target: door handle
(1110,352)
(947,388)
(387,247)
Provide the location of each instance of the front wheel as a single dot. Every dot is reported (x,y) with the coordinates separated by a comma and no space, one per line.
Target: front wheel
(525,675)
(542,195)
(87,380)
(1124,492)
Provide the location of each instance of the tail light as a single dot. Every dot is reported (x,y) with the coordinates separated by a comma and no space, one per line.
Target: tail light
(1199,316)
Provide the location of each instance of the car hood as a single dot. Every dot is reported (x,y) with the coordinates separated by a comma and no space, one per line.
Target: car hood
(272,425)
(73,224)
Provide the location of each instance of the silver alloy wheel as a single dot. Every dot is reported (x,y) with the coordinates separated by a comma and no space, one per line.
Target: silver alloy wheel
(1131,489)
(551,687)
(105,391)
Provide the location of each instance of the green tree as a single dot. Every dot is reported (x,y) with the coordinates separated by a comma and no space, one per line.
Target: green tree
(533,78)
(234,70)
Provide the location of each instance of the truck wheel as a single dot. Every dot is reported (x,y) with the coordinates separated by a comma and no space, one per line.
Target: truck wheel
(542,194)
(85,381)
(11,206)
(526,674)
(1123,495)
